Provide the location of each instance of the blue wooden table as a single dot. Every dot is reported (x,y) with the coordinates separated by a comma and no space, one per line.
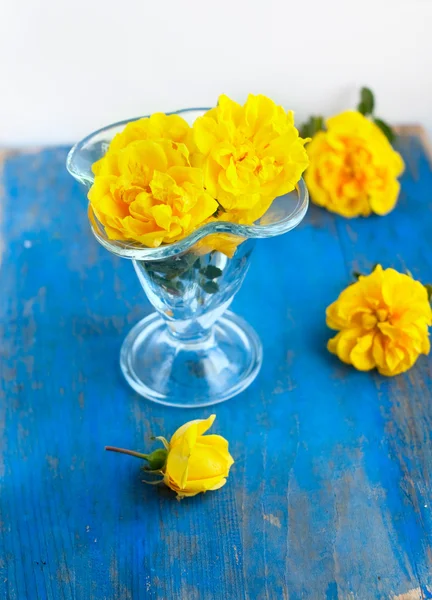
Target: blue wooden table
(330,495)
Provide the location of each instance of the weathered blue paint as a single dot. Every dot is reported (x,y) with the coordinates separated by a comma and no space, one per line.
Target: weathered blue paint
(330,496)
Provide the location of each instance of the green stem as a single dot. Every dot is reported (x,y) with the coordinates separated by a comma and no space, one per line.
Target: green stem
(130,452)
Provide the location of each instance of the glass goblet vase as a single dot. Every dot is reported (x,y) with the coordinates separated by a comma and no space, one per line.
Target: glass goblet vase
(192,351)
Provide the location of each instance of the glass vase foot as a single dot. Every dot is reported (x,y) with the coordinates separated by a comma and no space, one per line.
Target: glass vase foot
(195,373)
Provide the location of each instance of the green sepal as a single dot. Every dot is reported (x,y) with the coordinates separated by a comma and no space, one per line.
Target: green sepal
(161,439)
(428,287)
(156,482)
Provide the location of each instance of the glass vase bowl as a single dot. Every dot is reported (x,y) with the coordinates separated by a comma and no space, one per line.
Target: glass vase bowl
(192,351)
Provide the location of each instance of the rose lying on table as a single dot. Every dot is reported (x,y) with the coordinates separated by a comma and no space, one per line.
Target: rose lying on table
(161,179)
(383,321)
(353,168)
(190,462)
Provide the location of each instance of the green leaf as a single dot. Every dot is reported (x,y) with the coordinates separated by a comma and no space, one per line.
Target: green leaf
(211,272)
(428,287)
(318,124)
(210,287)
(311,127)
(386,129)
(304,130)
(170,267)
(361,107)
(356,274)
(367,101)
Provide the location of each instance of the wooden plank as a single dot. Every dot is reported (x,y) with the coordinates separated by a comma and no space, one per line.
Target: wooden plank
(419,132)
(330,493)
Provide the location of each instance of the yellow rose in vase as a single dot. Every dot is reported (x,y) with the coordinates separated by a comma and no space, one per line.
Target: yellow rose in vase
(158,126)
(250,155)
(148,192)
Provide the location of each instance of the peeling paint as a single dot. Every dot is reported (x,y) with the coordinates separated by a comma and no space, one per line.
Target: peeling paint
(273,520)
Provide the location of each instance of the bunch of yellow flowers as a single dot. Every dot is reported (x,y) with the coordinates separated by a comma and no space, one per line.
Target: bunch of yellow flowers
(161,179)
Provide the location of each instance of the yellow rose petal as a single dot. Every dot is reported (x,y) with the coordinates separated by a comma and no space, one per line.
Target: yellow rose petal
(198,427)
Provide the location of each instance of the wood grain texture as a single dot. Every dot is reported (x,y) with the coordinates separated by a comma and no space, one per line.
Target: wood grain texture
(330,496)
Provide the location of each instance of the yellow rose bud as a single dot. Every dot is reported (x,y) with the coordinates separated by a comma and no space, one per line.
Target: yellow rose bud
(382,321)
(353,168)
(191,462)
(196,462)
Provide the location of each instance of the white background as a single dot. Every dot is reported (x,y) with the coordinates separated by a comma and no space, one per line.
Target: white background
(69,68)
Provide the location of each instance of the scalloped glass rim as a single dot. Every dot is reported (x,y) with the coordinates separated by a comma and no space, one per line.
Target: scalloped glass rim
(286,218)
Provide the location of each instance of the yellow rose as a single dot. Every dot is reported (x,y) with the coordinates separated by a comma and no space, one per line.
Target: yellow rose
(196,462)
(251,155)
(382,321)
(353,168)
(156,127)
(147,191)
(191,462)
